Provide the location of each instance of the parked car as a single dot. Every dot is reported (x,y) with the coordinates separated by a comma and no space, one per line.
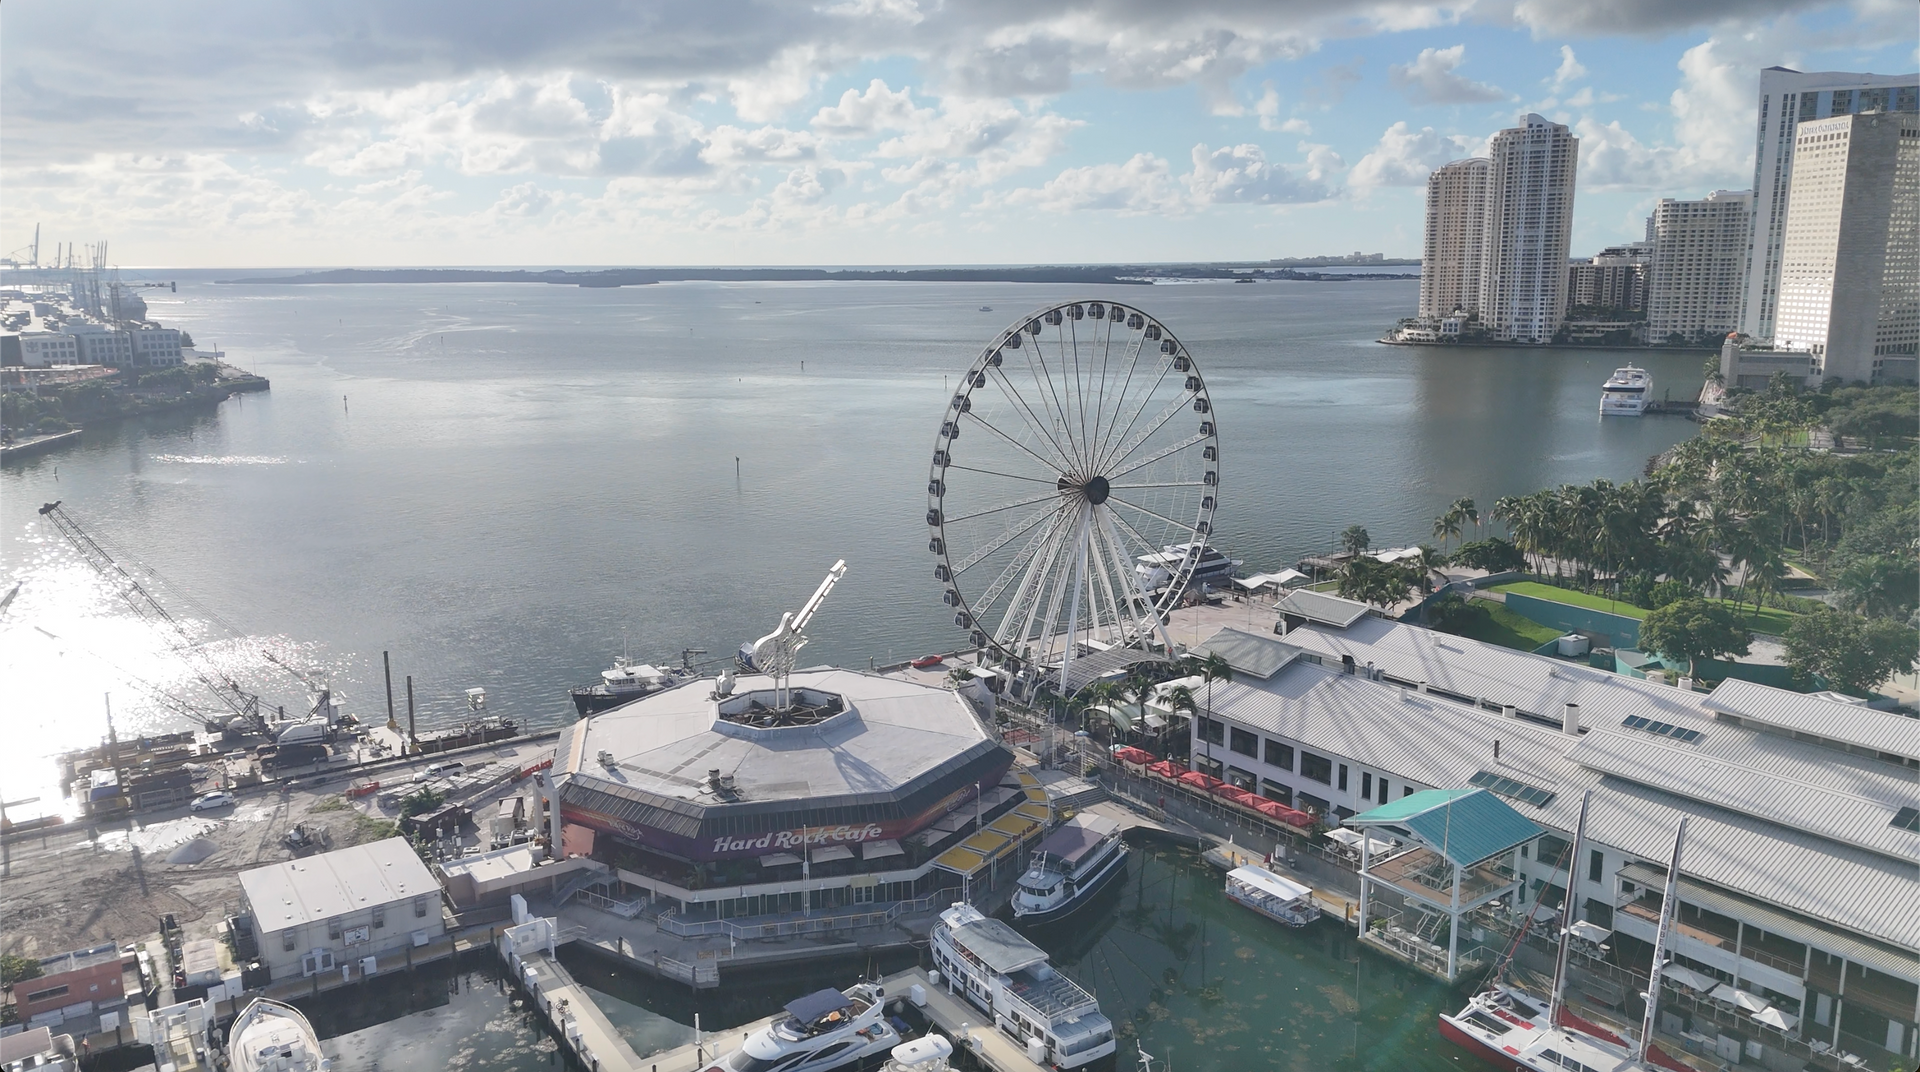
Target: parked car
(219,798)
(927,662)
(440,770)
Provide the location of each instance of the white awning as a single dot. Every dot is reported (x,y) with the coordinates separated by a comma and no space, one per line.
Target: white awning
(1595,933)
(878,850)
(1739,999)
(779,859)
(826,853)
(1269,883)
(1352,839)
(1689,978)
(1776,1018)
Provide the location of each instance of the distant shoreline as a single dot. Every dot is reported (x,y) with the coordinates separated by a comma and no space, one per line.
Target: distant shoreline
(1111,275)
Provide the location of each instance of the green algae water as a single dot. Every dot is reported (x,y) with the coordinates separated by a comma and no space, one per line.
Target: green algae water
(1199,981)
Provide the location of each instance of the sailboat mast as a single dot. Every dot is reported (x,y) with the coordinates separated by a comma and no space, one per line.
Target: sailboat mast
(1668,906)
(1567,913)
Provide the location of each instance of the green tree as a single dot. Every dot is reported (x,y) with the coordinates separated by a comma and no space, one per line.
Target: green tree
(14,968)
(1354,540)
(1693,629)
(1880,586)
(1852,653)
(1494,555)
(424,801)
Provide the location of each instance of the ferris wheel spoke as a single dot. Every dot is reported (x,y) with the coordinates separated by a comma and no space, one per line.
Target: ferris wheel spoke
(1033,421)
(1070,330)
(1000,509)
(1149,513)
(1043,377)
(1034,585)
(1169,484)
(1140,439)
(1146,617)
(1134,348)
(1054,482)
(1157,455)
(1004,539)
(1016,444)
(1146,400)
(1020,562)
(1128,612)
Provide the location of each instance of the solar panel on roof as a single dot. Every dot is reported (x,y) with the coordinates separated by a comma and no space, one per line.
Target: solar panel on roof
(1907,819)
(1663,729)
(1507,787)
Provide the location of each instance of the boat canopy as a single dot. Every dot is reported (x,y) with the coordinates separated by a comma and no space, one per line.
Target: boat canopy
(1269,883)
(1078,836)
(997,945)
(818,1005)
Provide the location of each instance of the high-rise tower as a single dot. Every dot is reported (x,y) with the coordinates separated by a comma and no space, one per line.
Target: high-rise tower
(1456,231)
(1699,262)
(1523,261)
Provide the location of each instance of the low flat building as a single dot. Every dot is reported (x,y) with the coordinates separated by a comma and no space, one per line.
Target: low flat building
(1801,878)
(72,983)
(339,908)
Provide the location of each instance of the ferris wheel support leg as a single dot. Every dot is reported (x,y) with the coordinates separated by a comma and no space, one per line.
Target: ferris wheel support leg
(1073,604)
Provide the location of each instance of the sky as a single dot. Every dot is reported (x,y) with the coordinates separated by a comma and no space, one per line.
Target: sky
(859,132)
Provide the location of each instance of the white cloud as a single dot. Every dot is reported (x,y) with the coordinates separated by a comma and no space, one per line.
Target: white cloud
(1268,109)
(1430,79)
(1569,71)
(524,200)
(1403,157)
(1714,87)
(861,114)
(1144,184)
(1242,174)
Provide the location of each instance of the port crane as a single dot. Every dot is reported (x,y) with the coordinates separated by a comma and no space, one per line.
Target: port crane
(242,703)
(776,653)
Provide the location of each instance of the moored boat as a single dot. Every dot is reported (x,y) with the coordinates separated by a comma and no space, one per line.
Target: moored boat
(624,682)
(827,1029)
(1072,865)
(1008,977)
(1626,392)
(1273,896)
(272,1036)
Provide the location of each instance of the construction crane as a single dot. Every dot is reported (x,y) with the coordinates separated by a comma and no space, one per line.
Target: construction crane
(241,702)
(776,653)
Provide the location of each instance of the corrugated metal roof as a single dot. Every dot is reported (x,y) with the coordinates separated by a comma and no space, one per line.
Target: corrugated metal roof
(1843,816)
(1853,724)
(1433,741)
(1894,962)
(335,883)
(1465,826)
(1321,607)
(1248,653)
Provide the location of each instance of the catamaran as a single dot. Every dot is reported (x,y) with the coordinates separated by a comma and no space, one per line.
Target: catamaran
(1511,1033)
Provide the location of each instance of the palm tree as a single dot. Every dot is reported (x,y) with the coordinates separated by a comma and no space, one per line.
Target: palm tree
(1213,667)
(1446,527)
(1179,698)
(1355,540)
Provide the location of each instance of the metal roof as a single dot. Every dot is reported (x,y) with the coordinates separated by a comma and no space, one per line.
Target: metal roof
(1854,724)
(998,946)
(1077,835)
(1464,825)
(1866,821)
(1321,607)
(1086,669)
(1248,653)
(335,883)
(1269,883)
(1433,741)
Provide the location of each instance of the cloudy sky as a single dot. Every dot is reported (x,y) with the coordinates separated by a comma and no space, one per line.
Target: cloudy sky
(368,132)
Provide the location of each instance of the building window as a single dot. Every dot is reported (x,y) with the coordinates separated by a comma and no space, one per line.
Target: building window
(1596,865)
(1211,730)
(1279,755)
(380,916)
(1209,766)
(1313,804)
(333,928)
(1599,913)
(1273,790)
(419,908)
(48,994)
(1319,768)
(1366,786)
(1240,779)
(1553,851)
(1383,789)
(1343,777)
(286,940)
(1406,790)
(1244,743)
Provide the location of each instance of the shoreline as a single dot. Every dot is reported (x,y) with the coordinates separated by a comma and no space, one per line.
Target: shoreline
(1550,346)
(213,394)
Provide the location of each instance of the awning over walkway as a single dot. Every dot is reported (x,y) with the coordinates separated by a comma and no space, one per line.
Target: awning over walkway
(1464,825)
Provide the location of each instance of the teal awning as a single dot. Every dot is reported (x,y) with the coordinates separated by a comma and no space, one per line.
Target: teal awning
(1464,825)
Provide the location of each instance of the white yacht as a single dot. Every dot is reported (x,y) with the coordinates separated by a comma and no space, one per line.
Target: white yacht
(1009,979)
(1280,899)
(1074,863)
(1200,562)
(272,1036)
(827,1029)
(1626,392)
(625,682)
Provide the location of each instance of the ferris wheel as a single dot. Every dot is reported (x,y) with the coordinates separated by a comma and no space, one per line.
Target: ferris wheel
(1074,483)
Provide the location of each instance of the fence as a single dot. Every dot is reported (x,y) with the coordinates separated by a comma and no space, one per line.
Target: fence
(1620,630)
(795,927)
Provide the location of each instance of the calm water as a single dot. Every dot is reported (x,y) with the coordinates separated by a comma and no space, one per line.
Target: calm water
(503,484)
(1182,971)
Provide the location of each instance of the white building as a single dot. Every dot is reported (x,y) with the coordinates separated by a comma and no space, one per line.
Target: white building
(1802,869)
(1456,231)
(1523,262)
(1612,280)
(1787,99)
(100,344)
(1850,259)
(343,908)
(39,349)
(156,347)
(1698,266)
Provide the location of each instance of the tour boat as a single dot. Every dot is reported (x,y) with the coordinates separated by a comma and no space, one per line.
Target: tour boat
(1625,394)
(1280,899)
(1071,865)
(1200,562)
(1513,1034)
(624,682)
(824,1030)
(1009,979)
(272,1036)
